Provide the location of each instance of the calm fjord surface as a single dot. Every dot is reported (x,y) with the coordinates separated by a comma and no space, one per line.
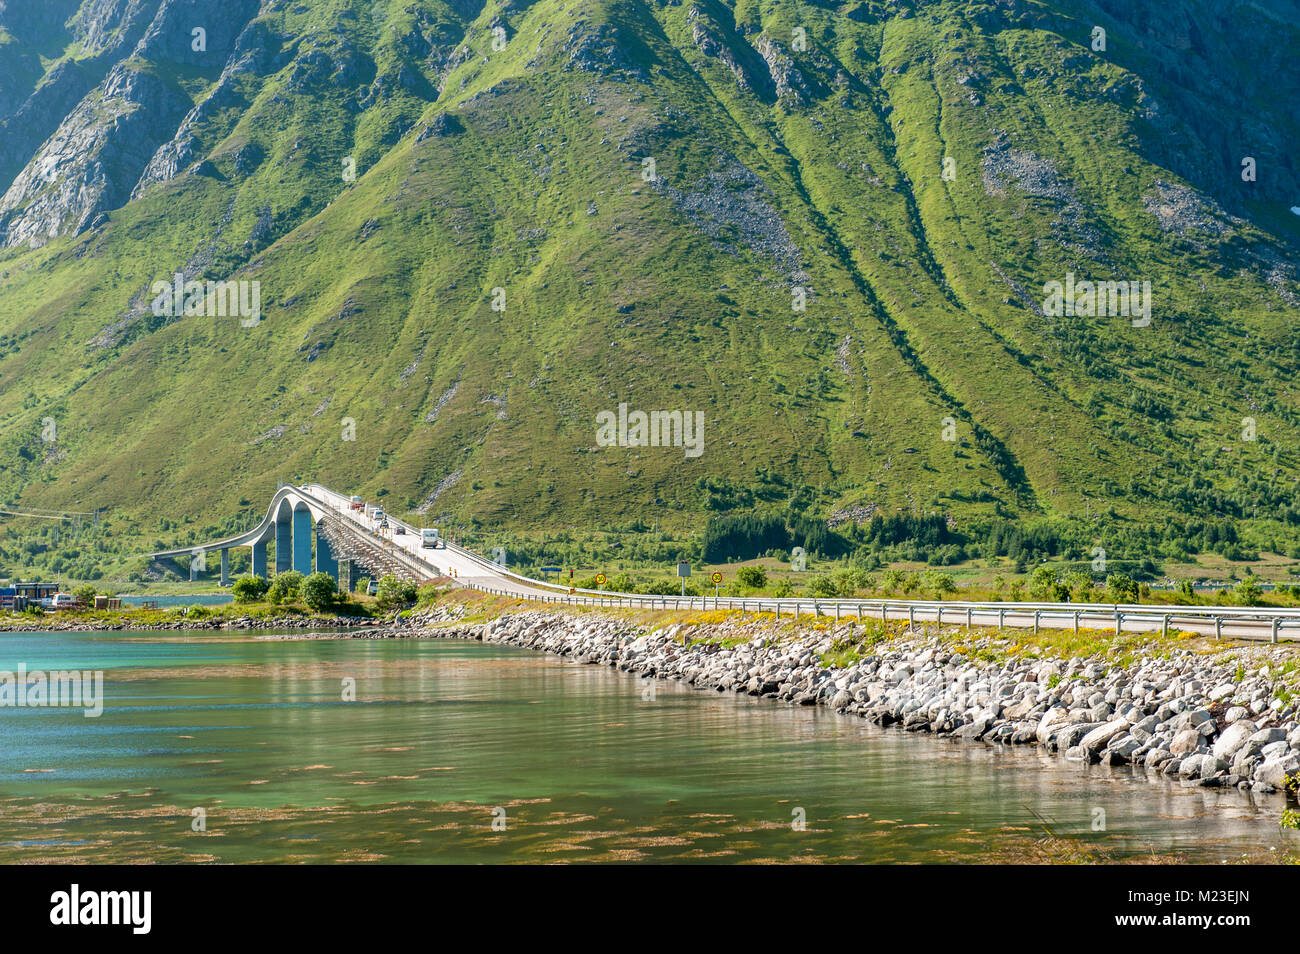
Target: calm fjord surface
(581,762)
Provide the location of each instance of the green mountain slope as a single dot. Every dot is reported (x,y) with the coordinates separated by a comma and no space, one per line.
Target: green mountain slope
(649,188)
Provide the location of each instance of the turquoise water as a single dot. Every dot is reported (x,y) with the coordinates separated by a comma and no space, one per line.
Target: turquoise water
(578,762)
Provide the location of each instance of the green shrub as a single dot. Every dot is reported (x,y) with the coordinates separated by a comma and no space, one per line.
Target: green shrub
(672,587)
(84,594)
(393,592)
(662,588)
(940,584)
(249,589)
(823,586)
(428,594)
(1079,585)
(1121,588)
(752,576)
(319,591)
(286,586)
(1043,582)
(1248,593)
(847,582)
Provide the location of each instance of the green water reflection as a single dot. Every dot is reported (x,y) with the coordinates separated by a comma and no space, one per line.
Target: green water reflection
(580,761)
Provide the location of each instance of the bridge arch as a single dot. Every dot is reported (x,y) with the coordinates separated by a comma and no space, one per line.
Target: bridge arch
(290,519)
(283,536)
(302,522)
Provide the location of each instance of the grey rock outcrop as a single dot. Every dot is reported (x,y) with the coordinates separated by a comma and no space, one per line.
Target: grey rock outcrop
(93,160)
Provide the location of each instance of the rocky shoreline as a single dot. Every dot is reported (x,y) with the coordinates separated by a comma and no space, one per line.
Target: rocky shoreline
(73,624)
(1223,720)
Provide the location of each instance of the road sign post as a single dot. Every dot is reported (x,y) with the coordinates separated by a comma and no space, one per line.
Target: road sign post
(683,570)
(717,582)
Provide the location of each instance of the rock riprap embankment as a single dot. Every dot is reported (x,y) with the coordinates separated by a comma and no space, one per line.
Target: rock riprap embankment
(1219,719)
(72,623)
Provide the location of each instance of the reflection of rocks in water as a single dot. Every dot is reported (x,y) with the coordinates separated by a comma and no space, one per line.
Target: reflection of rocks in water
(255,733)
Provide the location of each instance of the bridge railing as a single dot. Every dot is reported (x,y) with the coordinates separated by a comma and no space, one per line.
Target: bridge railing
(1281,622)
(1109,610)
(1009,615)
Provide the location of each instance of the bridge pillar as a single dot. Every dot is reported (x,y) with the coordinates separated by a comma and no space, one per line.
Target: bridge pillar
(283,545)
(225,566)
(325,562)
(257,560)
(302,541)
(347,581)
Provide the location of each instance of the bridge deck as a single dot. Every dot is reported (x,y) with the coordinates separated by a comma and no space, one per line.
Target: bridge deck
(403,555)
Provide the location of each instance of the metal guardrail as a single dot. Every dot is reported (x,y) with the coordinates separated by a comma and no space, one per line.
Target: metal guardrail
(931,609)
(417,565)
(1014,615)
(1020,615)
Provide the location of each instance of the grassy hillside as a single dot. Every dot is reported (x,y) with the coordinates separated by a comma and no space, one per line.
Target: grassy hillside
(781,168)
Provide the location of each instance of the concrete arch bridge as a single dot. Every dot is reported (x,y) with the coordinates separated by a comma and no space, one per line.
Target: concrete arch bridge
(313,529)
(343,536)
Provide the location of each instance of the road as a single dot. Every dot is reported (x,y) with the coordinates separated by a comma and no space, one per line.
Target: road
(469,569)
